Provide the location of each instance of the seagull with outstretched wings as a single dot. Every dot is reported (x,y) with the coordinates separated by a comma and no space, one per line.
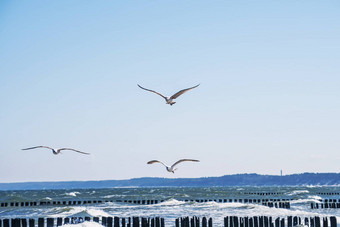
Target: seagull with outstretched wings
(169,100)
(55,151)
(172,168)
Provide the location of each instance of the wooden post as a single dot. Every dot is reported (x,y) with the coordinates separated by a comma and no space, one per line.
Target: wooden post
(116,221)
(333,221)
(123,222)
(204,222)
(282,222)
(226,224)
(96,219)
(312,222)
(23,222)
(109,221)
(135,221)
(197,222)
(144,222)
(153,222)
(158,222)
(192,220)
(277,222)
(129,222)
(246,222)
(271,224)
(41,222)
(15,222)
(187,221)
(261,221)
(256,221)
(50,222)
(162,222)
(31,222)
(104,221)
(177,222)
(325,222)
(317,222)
(210,223)
(67,220)
(306,221)
(242,222)
(290,221)
(251,222)
(266,221)
(6,222)
(59,221)
(236,224)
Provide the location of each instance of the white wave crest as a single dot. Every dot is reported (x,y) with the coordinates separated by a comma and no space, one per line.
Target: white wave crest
(298,192)
(74,194)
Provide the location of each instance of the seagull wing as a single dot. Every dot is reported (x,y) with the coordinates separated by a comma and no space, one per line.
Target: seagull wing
(182,92)
(152,91)
(37,147)
(62,149)
(156,161)
(184,160)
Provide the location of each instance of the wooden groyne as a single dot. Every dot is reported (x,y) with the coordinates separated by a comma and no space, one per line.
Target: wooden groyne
(193,222)
(326,204)
(105,221)
(290,221)
(229,221)
(276,203)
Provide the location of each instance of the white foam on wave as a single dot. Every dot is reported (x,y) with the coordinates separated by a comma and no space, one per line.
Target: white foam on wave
(80,211)
(298,192)
(74,194)
(170,202)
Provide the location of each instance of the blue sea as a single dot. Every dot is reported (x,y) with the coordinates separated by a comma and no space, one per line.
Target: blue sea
(174,202)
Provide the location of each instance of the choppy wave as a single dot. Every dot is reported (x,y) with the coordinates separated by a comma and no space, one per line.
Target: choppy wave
(74,194)
(177,202)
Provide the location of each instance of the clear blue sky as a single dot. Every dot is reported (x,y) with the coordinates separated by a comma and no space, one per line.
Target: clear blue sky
(269,97)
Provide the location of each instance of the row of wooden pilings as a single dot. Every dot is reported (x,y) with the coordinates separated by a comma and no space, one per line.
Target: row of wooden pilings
(145,202)
(193,222)
(229,221)
(105,221)
(325,206)
(264,221)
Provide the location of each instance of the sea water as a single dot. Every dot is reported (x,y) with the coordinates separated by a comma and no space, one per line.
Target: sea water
(173,205)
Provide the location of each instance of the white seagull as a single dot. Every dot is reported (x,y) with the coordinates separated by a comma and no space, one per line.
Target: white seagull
(169,100)
(55,151)
(171,168)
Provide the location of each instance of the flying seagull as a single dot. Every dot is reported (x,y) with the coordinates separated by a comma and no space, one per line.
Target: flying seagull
(55,151)
(171,168)
(169,100)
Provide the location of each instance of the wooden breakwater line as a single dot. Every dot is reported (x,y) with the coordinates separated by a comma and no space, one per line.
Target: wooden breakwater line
(105,221)
(326,204)
(277,203)
(259,221)
(193,222)
(229,221)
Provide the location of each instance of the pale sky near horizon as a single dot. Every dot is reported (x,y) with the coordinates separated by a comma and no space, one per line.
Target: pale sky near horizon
(269,97)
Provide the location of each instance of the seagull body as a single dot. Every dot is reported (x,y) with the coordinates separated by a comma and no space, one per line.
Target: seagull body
(169,100)
(55,151)
(172,168)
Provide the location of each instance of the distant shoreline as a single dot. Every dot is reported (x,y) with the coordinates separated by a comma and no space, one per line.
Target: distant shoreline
(303,179)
